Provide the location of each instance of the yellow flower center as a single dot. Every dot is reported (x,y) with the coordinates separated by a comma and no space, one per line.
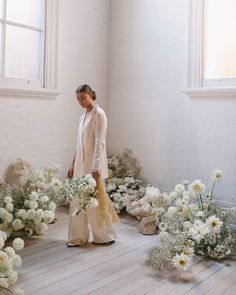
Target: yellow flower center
(182,262)
(213,224)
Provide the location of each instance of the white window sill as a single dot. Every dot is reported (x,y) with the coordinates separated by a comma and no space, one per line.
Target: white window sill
(28,92)
(211,91)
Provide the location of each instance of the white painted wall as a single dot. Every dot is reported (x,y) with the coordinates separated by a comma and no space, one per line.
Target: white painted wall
(43,131)
(173,136)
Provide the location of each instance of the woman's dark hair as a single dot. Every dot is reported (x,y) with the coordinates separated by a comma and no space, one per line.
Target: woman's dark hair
(86,89)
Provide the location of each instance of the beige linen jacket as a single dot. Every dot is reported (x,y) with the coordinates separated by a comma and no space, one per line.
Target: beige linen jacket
(91,145)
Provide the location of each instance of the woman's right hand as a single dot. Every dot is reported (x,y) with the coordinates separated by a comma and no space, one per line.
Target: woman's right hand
(70,172)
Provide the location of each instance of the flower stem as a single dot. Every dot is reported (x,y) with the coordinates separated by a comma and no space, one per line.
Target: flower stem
(212,190)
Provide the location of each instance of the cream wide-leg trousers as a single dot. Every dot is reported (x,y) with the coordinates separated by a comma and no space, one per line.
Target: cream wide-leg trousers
(79,228)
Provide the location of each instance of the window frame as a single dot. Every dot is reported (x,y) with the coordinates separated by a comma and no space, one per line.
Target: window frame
(196,86)
(48,87)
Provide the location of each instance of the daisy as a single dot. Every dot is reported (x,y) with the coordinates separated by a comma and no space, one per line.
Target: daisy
(218,174)
(197,186)
(182,262)
(214,224)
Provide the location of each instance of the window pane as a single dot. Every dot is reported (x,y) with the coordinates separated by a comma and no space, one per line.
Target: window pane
(219,39)
(0,48)
(22,53)
(27,12)
(0,8)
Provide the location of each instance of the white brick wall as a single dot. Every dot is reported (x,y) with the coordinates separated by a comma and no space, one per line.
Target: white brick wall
(43,131)
(173,136)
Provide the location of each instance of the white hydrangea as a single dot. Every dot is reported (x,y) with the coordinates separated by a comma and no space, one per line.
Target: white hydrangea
(12,277)
(8,199)
(34,196)
(21,214)
(39,214)
(16,261)
(17,224)
(9,207)
(18,244)
(33,205)
(9,218)
(30,214)
(44,199)
(4,283)
(2,242)
(48,216)
(3,213)
(41,228)
(10,251)
(52,206)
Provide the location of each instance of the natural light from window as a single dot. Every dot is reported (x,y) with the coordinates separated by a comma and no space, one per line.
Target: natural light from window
(219,39)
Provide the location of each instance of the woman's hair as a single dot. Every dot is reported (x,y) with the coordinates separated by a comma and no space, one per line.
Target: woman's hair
(86,89)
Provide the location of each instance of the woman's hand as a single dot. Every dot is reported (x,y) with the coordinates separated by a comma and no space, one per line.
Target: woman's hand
(95,175)
(70,172)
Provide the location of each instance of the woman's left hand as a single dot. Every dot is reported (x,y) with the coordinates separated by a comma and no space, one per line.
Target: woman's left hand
(95,175)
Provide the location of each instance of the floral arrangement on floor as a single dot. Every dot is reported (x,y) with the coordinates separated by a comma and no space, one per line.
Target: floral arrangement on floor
(122,185)
(9,261)
(30,201)
(82,189)
(192,225)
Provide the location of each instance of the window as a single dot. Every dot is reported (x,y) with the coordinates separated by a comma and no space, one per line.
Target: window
(28,51)
(212,47)
(22,41)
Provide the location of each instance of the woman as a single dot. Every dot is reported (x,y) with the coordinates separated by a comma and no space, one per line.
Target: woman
(90,157)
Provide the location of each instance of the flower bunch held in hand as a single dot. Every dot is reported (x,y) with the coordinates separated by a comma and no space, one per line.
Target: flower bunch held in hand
(193,224)
(82,191)
(9,261)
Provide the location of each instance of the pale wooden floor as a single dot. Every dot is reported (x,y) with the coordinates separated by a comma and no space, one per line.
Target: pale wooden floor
(49,267)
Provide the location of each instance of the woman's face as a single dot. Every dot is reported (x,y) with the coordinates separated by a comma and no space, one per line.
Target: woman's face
(84,99)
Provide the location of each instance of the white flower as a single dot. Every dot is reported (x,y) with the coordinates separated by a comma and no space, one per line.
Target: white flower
(52,206)
(182,262)
(3,283)
(2,242)
(3,213)
(44,199)
(39,214)
(218,174)
(171,211)
(152,194)
(10,251)
(200,214)
(179,188)
(16,261)
(34,196)
(41,228)
(198,230)
(12,277)
(9,218)
(21,214)
(3,235)
(197,186)
(48,216)
(33,204)
(17,224)
(3,259)
(18,244)
(189,251)
(214,224)
(9,207)
(56,184)
(187,225)
(18,292)
(8,199)
(163,235)
(30,214)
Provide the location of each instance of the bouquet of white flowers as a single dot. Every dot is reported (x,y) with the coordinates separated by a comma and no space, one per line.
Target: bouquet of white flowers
(193,224)
(82,190)
(9,261)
